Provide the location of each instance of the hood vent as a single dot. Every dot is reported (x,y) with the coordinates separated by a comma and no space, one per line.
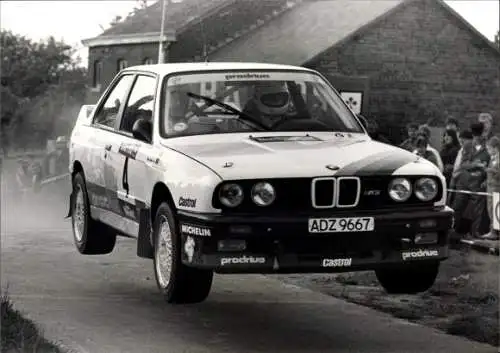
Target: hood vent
(264,139)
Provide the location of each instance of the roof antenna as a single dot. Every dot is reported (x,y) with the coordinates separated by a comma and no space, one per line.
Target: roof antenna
(203,37)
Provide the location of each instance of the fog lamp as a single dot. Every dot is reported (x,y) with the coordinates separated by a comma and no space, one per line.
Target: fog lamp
(426,238)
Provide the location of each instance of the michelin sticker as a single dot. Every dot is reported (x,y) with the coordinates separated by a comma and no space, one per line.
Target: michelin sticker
(244,260)
(194,230)
(347,262)
(419,254)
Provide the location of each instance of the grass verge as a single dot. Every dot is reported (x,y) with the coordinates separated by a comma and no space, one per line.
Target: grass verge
(19,334)
(462,302)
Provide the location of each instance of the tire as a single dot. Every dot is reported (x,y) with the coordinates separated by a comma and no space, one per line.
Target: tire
(178,283)
(91,237)
(408,279)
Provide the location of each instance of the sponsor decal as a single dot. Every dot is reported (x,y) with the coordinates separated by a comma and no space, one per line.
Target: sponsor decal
(418,254)
(187,202)
(128,150)
(189,247)
(244,260)
(246,76)
(347,262)
(195,230)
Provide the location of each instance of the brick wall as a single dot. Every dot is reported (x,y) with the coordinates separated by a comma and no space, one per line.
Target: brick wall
(423,64)
(133,53)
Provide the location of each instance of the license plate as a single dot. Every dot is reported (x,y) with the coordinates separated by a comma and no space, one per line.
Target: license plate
(338,225)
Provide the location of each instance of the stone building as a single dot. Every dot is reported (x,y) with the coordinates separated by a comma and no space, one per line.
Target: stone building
(395,61)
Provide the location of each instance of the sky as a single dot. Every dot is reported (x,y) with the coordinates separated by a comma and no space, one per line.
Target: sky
(73,21)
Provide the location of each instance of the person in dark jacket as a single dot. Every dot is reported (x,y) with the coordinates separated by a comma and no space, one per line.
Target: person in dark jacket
(473,178)
(449,152)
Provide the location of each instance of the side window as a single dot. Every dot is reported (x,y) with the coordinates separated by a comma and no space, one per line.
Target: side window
(108,112)
(140,103)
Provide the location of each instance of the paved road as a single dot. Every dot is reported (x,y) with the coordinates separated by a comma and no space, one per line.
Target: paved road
(110,304)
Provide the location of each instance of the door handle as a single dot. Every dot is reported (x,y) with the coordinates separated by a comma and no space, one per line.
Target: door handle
(108,147)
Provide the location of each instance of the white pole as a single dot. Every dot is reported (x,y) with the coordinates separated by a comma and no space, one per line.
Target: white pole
(161,56)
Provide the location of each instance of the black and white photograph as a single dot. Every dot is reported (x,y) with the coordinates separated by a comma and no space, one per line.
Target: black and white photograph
(250,176)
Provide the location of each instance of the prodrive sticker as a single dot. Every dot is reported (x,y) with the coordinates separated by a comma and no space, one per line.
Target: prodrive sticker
(243,260)
(419,254)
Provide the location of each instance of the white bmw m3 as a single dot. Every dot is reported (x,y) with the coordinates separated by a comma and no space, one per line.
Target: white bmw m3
(250,168)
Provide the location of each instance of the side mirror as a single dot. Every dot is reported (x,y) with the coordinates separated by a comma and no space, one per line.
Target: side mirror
(142,130)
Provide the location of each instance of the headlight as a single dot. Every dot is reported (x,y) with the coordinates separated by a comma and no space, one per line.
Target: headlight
(263,194)
(400,189)
(231,195)
(426,189)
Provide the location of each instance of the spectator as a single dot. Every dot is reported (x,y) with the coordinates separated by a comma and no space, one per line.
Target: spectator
(409,143)
(487,120)
(465,140)
(452,124)
(465,136)
(492,182)
(374,131)
(23,177)
(424,150)
(475,167)
(449,151)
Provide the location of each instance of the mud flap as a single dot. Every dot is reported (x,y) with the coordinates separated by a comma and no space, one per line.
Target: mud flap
(70,211)
(144,245)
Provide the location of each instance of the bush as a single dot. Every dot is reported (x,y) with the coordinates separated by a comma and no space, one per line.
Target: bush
(19,334)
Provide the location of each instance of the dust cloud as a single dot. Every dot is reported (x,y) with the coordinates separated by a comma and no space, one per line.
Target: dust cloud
(21,212)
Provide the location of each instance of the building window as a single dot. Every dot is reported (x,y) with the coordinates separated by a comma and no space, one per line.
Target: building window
(96,79)
(121,64)
(148,61)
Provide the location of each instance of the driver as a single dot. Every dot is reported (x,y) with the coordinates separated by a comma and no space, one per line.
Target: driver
(270,102)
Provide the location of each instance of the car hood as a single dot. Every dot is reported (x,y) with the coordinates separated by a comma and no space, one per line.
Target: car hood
(267,155)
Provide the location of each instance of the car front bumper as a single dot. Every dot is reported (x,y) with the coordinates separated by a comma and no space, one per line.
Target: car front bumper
(283,244)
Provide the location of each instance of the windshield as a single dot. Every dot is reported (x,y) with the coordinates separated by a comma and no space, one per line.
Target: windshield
(230,102)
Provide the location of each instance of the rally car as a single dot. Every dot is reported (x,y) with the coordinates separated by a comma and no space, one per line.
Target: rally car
(250,168)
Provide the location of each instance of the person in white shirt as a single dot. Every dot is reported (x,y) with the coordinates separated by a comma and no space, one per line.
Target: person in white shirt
(424,150)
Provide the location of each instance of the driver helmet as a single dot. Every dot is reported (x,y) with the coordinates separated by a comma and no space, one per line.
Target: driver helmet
(272,98)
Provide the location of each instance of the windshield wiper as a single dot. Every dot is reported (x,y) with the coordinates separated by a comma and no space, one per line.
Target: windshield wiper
(240,115)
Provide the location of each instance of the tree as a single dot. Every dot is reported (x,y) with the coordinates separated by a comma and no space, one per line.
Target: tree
(32,73)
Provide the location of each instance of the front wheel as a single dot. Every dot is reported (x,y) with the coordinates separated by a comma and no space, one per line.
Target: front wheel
(177,283)
(408,279)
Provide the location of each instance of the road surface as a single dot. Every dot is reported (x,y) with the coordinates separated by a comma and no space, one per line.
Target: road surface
(110,303)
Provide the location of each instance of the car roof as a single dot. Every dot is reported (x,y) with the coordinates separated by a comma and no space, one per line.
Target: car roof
(165,69)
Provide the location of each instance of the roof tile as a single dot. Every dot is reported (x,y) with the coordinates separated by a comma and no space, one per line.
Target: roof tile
(303,32)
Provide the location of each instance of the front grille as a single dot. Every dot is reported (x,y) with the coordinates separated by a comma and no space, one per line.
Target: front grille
(323,192)
(349,189)
(342,192)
